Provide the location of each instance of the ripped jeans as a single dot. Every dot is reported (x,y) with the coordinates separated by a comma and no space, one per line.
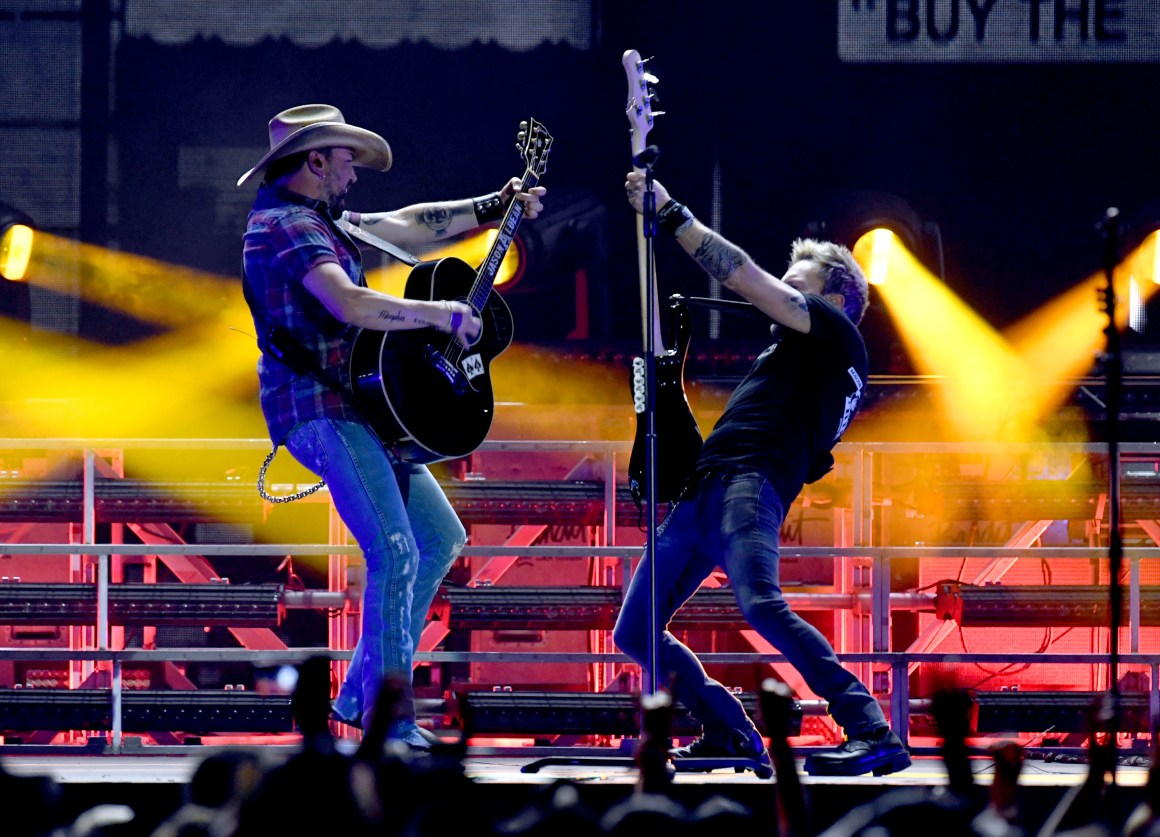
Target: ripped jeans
(409,536)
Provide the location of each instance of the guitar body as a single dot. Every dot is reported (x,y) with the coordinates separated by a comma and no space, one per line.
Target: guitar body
(678,438)
(422,392)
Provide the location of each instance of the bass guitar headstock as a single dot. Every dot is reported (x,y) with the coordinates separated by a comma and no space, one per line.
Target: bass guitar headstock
(534,142)
(641,95)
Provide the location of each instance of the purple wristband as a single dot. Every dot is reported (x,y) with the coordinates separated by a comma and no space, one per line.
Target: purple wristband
(456,321)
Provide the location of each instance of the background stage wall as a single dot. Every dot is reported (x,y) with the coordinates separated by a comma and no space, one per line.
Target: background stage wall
(1012,145)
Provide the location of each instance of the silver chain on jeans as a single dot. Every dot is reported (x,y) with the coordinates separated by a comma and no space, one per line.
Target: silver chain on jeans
(289,498)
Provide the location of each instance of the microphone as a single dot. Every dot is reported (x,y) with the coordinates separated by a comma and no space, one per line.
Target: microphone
(646,158)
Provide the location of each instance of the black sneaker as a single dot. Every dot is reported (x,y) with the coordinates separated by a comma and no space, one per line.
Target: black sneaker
(879,752)
(739,750)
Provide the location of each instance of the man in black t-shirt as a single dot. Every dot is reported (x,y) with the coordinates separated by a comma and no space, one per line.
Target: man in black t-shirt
(775,435)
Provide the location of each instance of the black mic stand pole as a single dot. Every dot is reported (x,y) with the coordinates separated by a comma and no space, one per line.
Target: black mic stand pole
(648,157)
(644,160)
(1114,374)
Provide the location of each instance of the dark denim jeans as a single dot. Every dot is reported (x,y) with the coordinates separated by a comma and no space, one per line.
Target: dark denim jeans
(733,521)
(409,540)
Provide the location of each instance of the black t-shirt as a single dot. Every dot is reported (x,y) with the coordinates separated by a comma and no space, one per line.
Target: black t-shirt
(794,405)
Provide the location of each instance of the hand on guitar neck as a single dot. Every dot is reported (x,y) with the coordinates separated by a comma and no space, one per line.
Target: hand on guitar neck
(531,199)
(634,187)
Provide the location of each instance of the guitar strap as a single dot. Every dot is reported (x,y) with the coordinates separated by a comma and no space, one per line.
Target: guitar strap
(365,237)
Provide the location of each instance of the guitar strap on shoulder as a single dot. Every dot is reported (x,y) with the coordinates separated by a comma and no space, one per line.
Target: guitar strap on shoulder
(355,231)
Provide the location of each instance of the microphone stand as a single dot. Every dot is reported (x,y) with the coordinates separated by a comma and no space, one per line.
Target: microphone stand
(1109,229)
(646,159)
(649,687)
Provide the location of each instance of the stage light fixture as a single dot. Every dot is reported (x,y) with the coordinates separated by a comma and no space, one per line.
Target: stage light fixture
(16,238)
(1140,257)
(875,225)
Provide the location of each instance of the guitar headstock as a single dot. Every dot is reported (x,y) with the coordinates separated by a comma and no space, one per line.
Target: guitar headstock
(640,98)
(534,143)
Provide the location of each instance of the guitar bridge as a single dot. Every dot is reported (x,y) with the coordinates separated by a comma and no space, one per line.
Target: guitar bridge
(445,368)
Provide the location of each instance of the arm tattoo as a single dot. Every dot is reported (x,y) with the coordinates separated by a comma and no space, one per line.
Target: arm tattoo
(438,218)
(718,257)
(390,316)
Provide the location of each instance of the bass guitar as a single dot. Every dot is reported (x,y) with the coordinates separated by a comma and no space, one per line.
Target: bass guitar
(421,391)
(678,438)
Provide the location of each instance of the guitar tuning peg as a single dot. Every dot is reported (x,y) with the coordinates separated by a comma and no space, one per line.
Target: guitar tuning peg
(524,124)
(650,78)
(658,113)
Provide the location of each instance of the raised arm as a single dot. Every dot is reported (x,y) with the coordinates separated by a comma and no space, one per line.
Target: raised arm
(781,299)
(426,223)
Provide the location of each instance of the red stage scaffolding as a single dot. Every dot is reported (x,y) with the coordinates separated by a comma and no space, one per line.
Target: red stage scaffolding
(149,596)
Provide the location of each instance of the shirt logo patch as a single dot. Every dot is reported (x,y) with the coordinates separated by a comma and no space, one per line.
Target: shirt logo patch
(851,402)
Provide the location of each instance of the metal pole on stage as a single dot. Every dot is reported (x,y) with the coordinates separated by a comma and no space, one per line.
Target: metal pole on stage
(645,160)
(1113,363)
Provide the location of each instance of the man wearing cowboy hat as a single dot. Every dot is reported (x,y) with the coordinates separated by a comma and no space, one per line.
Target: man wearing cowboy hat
(304,280)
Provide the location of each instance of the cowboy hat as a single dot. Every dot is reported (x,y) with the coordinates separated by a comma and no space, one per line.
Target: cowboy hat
(308,127)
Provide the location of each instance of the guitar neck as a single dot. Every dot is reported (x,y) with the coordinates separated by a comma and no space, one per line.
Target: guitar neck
(485,278)
(650,319)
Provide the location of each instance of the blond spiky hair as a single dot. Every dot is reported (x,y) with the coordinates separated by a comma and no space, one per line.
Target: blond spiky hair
(841,273)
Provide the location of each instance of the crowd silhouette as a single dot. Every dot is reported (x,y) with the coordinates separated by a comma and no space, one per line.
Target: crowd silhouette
(386,788)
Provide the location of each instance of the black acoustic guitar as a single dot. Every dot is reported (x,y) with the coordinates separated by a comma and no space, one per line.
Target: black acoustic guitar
(678,438)
(423,393)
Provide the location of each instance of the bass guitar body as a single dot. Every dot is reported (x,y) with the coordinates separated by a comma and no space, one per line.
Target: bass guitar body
(678,438)
(423,393)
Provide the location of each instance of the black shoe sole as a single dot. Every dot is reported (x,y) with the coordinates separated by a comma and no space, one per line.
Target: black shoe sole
(698,764)
(879,767)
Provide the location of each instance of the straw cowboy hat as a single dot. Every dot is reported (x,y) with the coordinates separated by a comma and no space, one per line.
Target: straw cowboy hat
(307,127)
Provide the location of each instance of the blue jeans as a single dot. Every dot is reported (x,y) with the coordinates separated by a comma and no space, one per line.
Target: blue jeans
(409,536)
(733,521)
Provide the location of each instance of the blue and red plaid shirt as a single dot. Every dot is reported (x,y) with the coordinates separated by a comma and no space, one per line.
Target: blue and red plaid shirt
(287,235)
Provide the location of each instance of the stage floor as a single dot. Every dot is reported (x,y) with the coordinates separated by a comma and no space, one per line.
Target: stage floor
(488,767)
(154,784)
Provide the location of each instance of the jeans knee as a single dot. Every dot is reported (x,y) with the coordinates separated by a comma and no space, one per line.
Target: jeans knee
(630,638)
(764,609)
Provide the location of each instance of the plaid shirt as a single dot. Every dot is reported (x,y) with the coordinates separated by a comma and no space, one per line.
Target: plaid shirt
(286,236)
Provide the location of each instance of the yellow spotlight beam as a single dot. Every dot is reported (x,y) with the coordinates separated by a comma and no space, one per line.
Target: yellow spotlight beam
(148,289)
(1060,340)
(1029,365)
(944,337)
(182,382)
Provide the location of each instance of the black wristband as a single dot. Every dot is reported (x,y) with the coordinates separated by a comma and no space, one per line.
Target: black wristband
(673,217)
(487,208)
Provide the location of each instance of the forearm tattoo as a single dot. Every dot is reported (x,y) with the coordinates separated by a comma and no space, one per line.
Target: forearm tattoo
(415,319)
(718,257)
(438,218)
(390,316)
